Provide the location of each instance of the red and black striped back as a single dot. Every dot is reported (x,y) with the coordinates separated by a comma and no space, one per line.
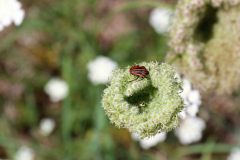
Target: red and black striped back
(139,71)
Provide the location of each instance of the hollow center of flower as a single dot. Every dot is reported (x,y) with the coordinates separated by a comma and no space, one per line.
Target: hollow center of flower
(204,29)
(145,95)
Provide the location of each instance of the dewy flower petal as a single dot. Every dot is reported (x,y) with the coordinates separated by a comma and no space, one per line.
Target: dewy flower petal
(10,11)
(57,89)
(160,93)
(160,19)
(101,69)
(190,130)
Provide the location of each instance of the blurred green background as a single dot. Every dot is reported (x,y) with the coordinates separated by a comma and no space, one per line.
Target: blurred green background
(57,39)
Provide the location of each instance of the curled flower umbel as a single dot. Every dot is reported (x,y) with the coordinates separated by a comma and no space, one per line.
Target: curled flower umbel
(208,43)
(159,93)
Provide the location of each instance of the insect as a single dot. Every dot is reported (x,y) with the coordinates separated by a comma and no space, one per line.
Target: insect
(142,104)
(138,71)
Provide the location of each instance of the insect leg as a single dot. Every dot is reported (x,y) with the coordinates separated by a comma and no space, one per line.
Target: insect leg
(134,79)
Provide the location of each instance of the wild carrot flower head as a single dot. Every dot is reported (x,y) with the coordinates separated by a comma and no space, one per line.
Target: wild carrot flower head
(160,92)
(208,43)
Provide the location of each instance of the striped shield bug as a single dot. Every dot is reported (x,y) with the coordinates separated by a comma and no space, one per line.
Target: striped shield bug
(138,71)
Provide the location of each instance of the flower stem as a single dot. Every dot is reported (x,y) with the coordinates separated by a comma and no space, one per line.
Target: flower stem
(174,58)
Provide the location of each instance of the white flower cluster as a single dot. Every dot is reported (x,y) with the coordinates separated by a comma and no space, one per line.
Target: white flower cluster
(10,11)
(57,89)
(217,3)
(190,130)
(47,125)
(191,127)
(147,143)
(160,19)
(24,153)
(192,99)
(194,44)
(100,69)
(160,93)
(234,155)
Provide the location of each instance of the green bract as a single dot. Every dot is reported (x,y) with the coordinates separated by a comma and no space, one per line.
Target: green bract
(160,94)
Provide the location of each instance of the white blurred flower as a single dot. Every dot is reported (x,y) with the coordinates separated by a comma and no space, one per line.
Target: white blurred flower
(192,99)
(57,89)
(186,88)
(46,126)
(190,130)
(192,110)
(10,11)
(135,136)
(153,141)
(24,153)
(234,155)
(160,19)
(183,114)
(100,69)
(191,127)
